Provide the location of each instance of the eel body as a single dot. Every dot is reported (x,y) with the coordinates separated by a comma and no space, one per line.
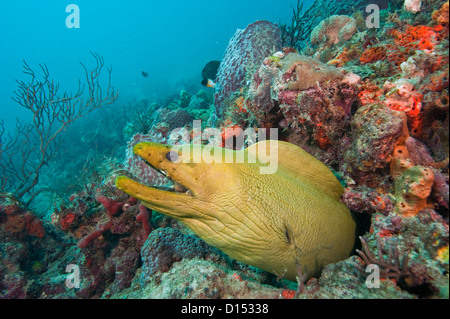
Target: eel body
(278,221)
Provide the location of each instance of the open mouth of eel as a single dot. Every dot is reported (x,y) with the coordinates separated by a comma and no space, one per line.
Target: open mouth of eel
(174,186)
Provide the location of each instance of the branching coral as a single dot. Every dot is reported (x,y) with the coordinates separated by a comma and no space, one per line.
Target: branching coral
(301,25)
(21,160)
(109,231)
(393,266)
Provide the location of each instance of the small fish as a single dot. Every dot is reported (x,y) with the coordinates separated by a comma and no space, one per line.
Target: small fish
(144,74)
(209,73)
(208,83)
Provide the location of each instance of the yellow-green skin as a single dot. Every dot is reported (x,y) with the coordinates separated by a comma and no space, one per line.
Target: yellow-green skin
(276,222)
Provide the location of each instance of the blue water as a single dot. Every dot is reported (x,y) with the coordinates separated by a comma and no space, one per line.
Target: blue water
(171,40)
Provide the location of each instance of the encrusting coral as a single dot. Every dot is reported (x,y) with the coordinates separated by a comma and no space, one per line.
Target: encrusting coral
(310,100)
(333,30)
(413,183)
(441,16)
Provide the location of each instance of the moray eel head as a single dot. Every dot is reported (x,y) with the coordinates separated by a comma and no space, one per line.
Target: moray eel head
(282,222)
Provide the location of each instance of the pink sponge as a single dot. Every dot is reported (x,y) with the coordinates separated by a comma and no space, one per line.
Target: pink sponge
(112,207)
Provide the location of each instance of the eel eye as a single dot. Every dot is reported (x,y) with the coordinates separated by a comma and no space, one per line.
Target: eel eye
(172,156)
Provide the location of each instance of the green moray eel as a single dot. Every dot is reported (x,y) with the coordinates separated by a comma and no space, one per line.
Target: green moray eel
(277,222)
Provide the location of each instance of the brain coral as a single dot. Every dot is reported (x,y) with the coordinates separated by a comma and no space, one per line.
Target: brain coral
(164,246)
(244,54)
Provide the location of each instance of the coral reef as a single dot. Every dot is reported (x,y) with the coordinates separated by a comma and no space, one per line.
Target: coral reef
(333,30)
(110,237)
(331,34)
(373,54)
(173,118)
(202,279)
(371,104)
(300,27)
(441,16)
(310,100)
(245,52)
(413,183)
(16,221)
(376,130)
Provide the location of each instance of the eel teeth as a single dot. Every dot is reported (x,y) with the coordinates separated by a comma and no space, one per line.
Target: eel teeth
(179,188)
(176,187)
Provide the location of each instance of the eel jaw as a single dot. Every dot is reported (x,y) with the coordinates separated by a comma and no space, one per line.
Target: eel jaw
(170,202)
(147,193)
(158,198)
(177,187)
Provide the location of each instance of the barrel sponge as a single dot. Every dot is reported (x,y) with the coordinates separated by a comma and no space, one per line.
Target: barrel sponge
(246,51)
